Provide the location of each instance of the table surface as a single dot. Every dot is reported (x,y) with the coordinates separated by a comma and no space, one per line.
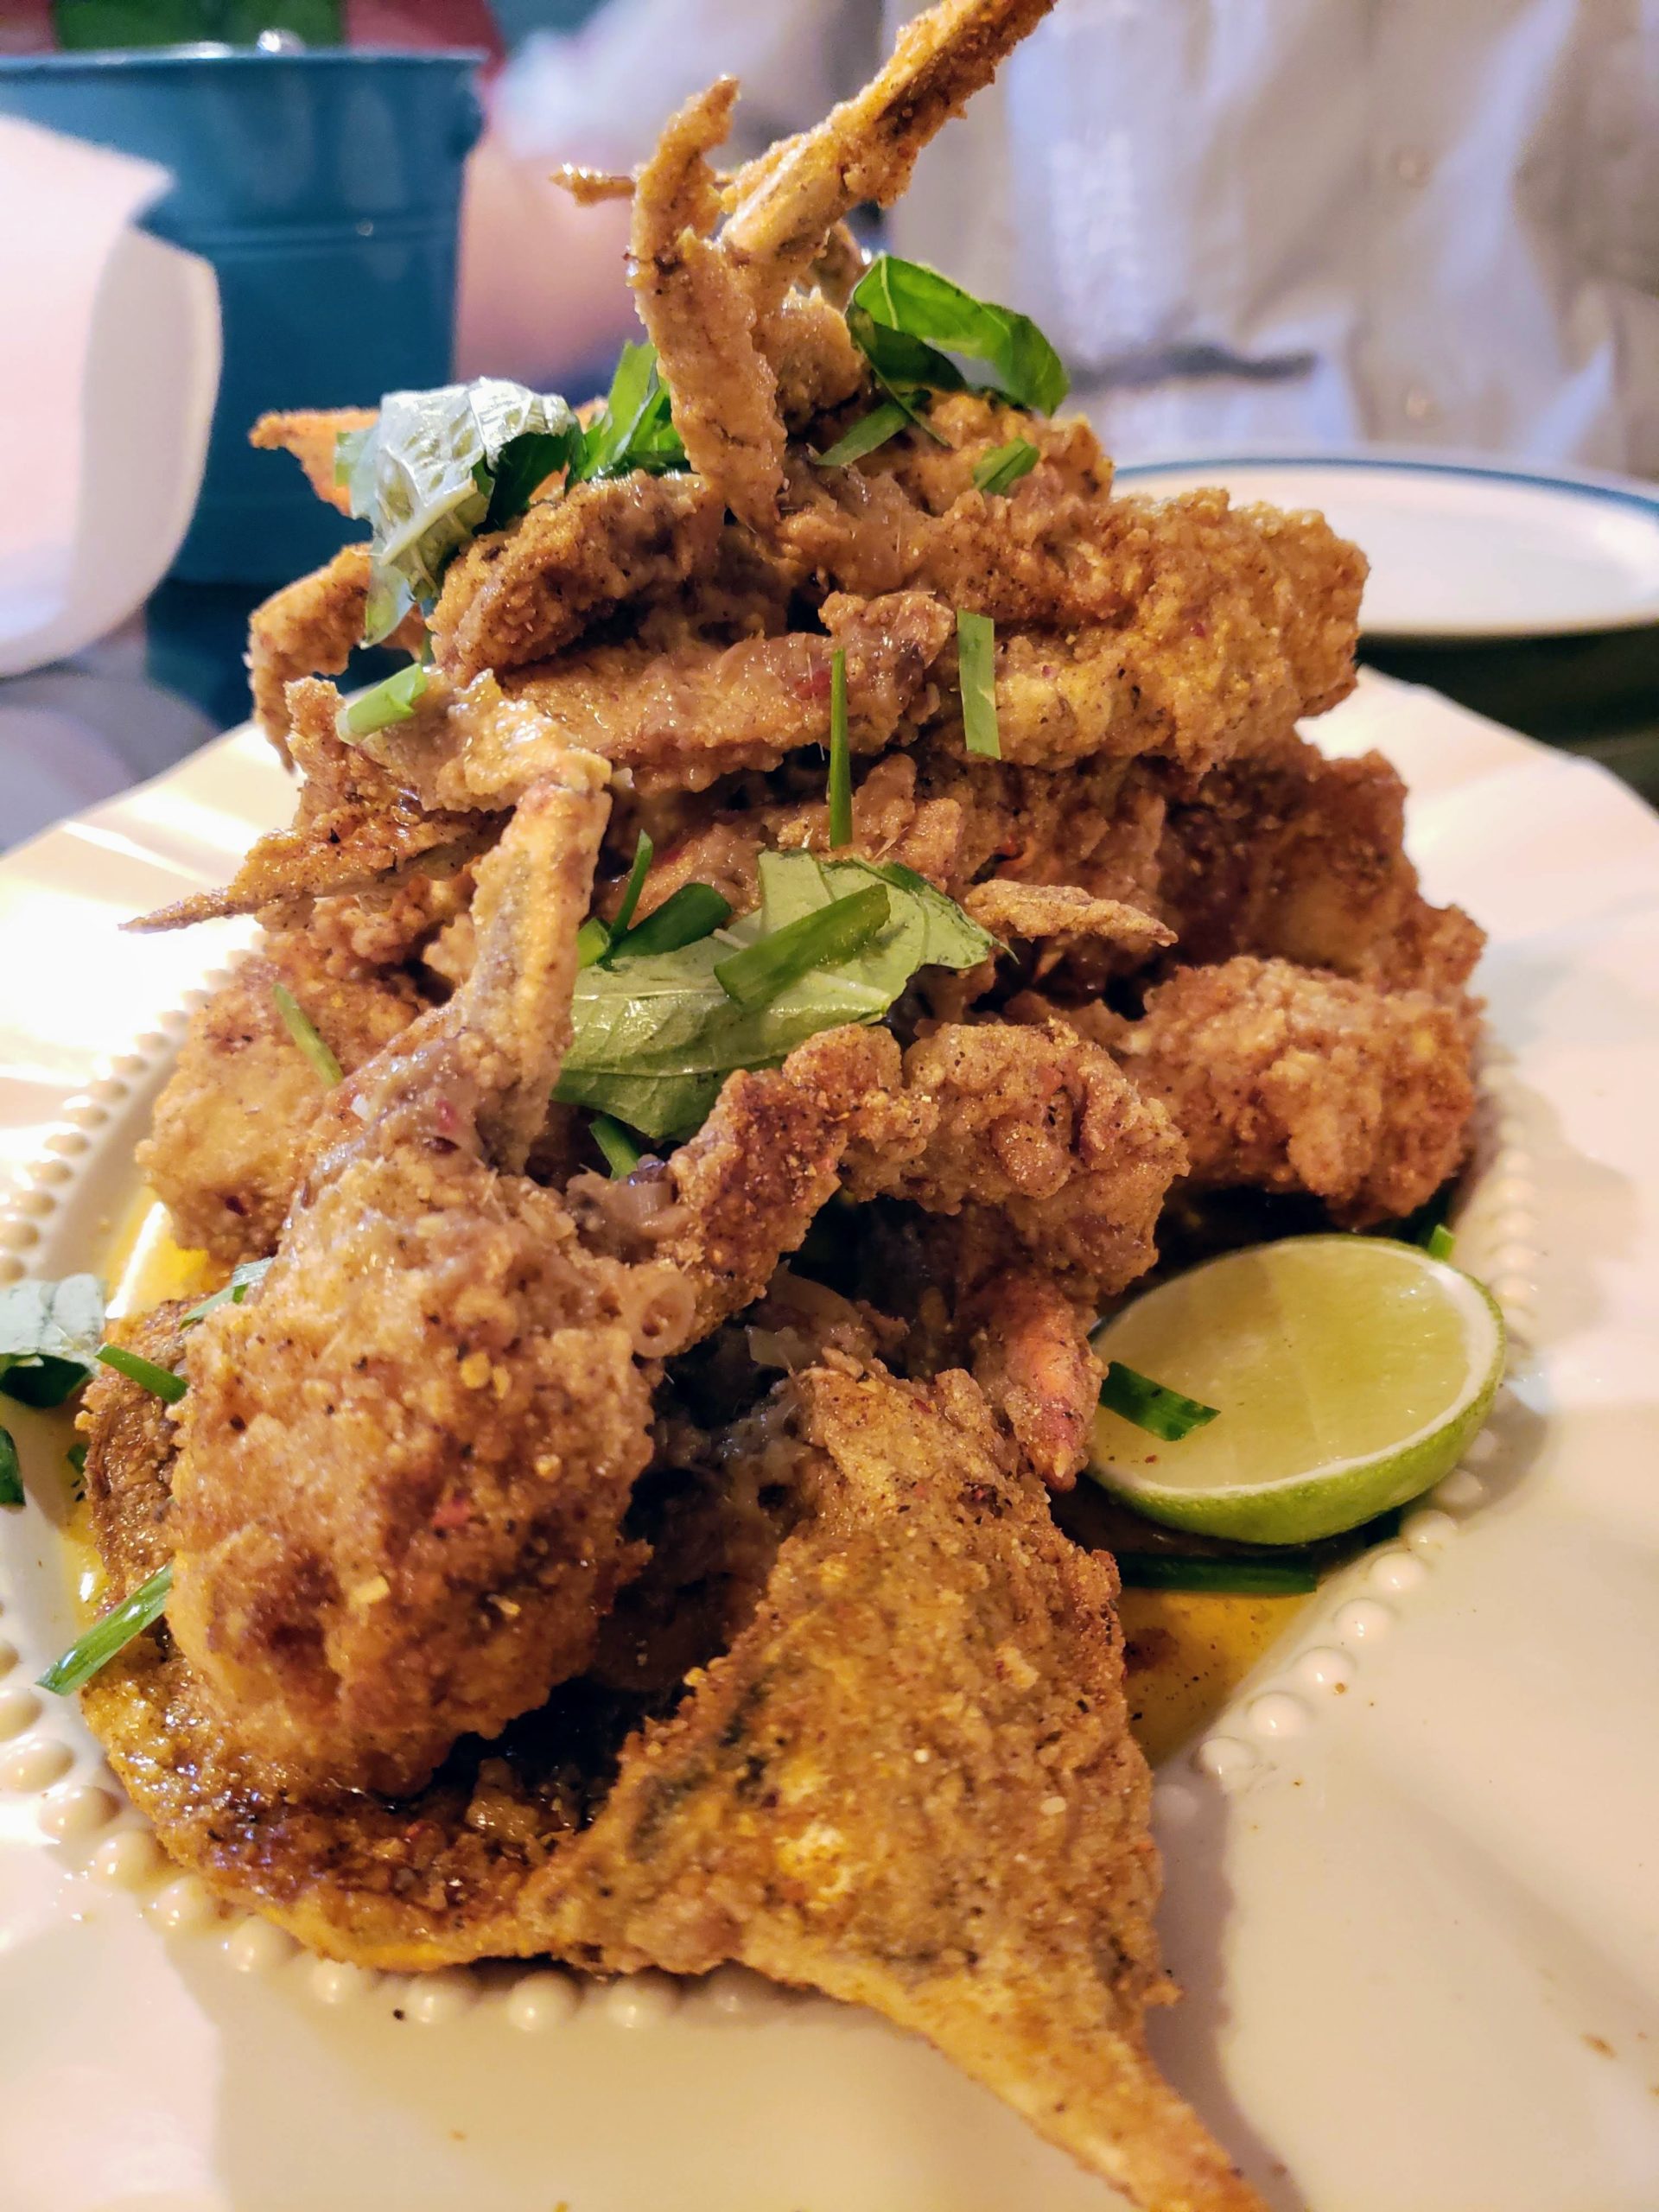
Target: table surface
(138,701)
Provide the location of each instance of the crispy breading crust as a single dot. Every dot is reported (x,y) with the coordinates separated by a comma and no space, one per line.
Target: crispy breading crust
(232,1131)
(310,434)
(519,595)
(911,1784)
(1286,1079)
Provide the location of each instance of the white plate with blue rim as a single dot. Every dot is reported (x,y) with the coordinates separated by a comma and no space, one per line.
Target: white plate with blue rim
(1462,546)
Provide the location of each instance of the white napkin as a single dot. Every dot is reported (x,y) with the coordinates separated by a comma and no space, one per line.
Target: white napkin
(109,368)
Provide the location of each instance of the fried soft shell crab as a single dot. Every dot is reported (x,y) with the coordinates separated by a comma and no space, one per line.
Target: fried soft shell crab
(656,1567)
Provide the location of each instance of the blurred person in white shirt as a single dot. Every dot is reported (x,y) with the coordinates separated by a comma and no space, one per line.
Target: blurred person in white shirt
(1246,224)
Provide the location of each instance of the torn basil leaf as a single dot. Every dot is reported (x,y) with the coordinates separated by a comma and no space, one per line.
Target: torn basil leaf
(924,319)
(429,475)
(50,1335)
(654,1038)
(634,428)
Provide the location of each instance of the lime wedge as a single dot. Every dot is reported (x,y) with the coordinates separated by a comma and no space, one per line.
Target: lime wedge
(1349,1373)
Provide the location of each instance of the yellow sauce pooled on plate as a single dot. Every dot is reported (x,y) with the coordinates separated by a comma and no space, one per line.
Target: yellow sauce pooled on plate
(1187,1649)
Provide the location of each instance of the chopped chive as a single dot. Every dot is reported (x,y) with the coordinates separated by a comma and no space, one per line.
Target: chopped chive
(834,932)
(88,1653)
(976,668)
(300,1027)
(243,1279)
(1003,467)
(1259,1578)
(1160,1412)
(593,942)
(11,1479)
(686,917)
(840,755)
(391,700)
(75,1460)
(136,1369)
(869,431)
(1441,1242)
(621,1155)
(643,853)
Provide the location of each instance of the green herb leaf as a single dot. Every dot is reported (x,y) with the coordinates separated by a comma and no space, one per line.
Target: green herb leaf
(43,1382)
(695,910)
(300,1027)
(976,672)
(635,427)
(49,1335)
(112,1634)
(11,1478)
(654,1038)
(643,852)
(524,465)
(869,431)
(75,1460)
(244,1277)
(1160,1412)
(840,755)
(424,478)
(621,1155)
(1441,1242)
(939,319)
(391,700)
(1260,1578)
(908,372)
(756,976)
(1004,466)
(160,1380)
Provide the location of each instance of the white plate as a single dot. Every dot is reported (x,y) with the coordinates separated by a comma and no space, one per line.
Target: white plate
(1464,548)
(1412,1885)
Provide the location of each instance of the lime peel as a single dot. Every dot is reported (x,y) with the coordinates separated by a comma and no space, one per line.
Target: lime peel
(1351,1374)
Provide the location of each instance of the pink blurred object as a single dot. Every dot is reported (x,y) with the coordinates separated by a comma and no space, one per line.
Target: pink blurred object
(425,23)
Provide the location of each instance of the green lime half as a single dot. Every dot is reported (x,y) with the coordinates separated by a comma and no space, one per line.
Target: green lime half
(1349,1374)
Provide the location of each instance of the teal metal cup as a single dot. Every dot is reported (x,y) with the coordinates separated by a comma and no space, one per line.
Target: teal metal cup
(325,189)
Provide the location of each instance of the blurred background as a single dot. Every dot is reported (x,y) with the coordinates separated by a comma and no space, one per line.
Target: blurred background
(1342,228)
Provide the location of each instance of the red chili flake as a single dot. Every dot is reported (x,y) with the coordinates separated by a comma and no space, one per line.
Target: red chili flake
(1200,629)
(445,1118)
(815,685)
(453,1513)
